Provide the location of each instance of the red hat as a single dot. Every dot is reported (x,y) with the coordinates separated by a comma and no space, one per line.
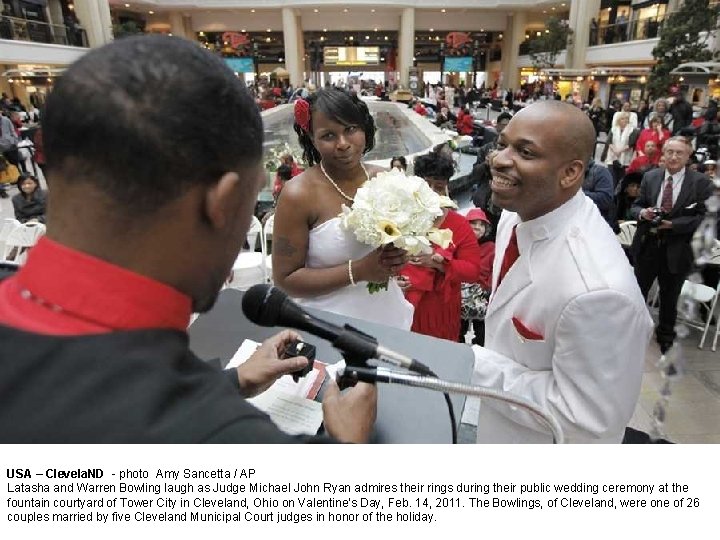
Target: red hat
(477,214)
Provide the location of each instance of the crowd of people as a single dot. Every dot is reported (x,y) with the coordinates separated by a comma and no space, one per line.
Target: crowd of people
(643,152)
(535,268)
(29,203)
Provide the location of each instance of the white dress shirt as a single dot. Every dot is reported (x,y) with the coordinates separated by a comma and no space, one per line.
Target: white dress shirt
(677,181)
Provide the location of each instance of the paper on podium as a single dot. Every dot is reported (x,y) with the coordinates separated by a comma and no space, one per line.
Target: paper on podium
(289,404)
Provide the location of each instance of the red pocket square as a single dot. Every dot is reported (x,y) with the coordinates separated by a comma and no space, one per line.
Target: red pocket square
(525,332)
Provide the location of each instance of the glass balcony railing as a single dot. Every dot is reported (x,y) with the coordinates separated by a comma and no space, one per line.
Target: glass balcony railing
(41,32)
(638,29)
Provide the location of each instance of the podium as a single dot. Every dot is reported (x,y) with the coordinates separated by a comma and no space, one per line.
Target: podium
(405,414)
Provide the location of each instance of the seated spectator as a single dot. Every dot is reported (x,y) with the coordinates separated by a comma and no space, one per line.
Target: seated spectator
(29,204)
(284,173)
(661,111)
(630,190)
(289,160)
(598,185)
(710,169)
(465,123)
(9,174)
(656,133)
(398,162)
(420,108)
(648,159)
(443,117)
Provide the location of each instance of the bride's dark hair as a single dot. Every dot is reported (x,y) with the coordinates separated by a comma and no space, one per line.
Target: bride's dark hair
(343,107)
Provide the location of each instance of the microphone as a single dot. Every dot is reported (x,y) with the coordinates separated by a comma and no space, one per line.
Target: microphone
(266,305)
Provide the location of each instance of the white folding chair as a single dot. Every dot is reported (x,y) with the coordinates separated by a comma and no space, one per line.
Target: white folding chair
(267,235)
(19,241)
(249,267)
(8,226)
(627,232)
(707,298)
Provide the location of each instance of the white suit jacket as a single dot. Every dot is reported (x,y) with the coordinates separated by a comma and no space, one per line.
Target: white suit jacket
(572,286)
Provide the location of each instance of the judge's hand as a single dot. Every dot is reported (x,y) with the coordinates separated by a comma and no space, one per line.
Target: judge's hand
(349,416)
(264,367)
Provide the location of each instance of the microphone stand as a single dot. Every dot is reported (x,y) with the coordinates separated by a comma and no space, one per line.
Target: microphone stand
(372,375)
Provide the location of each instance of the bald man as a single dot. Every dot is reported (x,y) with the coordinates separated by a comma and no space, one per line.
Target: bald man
(566,326)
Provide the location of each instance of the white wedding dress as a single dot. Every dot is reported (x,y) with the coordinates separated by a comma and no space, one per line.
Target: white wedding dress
(331,245)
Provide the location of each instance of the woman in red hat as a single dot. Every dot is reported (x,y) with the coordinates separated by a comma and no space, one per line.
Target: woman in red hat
(475,296)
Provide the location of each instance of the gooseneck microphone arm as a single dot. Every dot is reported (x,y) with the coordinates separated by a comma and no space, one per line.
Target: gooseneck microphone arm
(266,305)
(375,375)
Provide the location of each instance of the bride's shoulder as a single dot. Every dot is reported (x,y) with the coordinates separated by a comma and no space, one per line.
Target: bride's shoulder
(301,190)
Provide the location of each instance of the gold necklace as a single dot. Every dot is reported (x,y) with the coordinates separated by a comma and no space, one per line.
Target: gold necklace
(340,191)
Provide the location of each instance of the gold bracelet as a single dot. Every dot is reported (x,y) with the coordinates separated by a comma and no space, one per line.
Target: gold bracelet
(350,274)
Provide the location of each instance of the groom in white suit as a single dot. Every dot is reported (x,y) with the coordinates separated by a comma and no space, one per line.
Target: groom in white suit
(566,326)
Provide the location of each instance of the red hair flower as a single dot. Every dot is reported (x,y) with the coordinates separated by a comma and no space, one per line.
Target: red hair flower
(302,114)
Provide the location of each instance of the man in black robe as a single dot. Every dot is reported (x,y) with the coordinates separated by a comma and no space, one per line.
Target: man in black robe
(150,206)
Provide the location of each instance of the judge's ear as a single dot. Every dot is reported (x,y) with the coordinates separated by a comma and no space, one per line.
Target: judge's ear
(573,174)
(221,200)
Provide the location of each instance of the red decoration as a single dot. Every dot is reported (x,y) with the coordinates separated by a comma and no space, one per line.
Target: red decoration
(525,332)
(302,114)
(235,39)
(455,40)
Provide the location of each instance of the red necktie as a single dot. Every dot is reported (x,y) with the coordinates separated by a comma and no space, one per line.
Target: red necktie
(512,252)
(666,203)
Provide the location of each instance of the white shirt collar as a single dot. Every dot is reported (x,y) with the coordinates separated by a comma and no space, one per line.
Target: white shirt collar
(549,224)
(677,177)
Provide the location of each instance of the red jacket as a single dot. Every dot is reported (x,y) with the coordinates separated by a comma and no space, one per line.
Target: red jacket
(648,134)
(436,295)
(465,124)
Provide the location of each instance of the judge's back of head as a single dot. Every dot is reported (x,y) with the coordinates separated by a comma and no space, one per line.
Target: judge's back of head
(144,119)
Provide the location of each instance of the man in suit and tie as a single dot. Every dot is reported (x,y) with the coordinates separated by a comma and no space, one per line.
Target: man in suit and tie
(566,326)
(669,209)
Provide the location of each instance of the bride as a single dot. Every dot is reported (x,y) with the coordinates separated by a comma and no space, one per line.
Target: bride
(314,259)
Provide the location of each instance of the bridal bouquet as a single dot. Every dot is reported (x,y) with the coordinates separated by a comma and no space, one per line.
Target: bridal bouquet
(393,208)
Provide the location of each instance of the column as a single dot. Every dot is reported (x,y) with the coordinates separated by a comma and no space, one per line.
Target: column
(513,36)
(91,19)
(406,45)
(187,26)
(106,21)
(293,62)
(581,13)
(177,24)
(301,49)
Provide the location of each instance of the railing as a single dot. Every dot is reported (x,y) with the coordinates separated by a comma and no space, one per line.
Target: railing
(41,32)
(638,29)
